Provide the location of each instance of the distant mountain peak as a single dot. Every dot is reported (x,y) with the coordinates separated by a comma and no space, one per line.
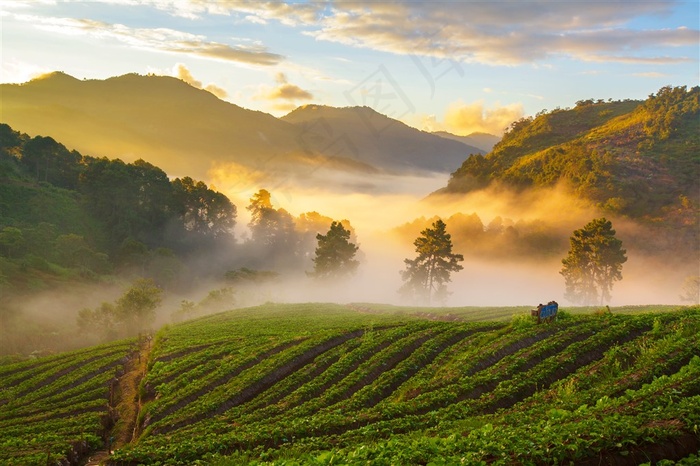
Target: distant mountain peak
(54,76)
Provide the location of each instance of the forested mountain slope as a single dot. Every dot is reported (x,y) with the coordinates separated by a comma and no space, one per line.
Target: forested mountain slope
(637,159)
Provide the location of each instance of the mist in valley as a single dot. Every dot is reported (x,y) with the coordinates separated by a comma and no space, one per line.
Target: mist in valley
(512,242)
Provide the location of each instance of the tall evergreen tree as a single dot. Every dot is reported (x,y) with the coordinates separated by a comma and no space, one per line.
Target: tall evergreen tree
(426,276)
(335,253)
(593,263)
(273,232)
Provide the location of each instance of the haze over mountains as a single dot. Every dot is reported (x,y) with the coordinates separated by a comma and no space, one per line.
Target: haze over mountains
(362,134)
(189,131)
(638,159)
(632,161)
(482,141)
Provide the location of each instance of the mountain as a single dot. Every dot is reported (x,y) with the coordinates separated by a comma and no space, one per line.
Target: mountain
(362,134)
(631,158)
(164,120)
(482,142)
(189,131)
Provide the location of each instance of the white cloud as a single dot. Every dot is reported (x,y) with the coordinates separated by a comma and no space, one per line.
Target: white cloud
(159,39)
(17,71)
(502,33)
(651,74)
(255,19)
(495,32)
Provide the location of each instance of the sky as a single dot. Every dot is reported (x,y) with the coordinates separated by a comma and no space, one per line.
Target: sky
(460,66)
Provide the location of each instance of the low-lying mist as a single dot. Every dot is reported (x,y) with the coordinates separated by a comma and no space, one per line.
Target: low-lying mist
(512,242)
(388,217)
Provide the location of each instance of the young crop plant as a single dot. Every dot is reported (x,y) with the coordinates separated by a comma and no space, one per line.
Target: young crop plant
(326,384)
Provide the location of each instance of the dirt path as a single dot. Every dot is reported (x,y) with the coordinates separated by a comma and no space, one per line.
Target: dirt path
(97,458)
(126,404)
(129,402)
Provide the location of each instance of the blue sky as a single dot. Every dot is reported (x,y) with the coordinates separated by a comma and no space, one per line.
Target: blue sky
(462,66)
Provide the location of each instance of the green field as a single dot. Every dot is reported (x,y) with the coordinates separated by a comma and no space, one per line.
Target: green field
(368,384)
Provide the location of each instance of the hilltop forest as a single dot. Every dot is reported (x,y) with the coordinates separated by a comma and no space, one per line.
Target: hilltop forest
(68,219)
(637,159)
(638,162)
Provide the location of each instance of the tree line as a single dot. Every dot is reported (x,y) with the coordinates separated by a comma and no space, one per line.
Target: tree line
(121,216)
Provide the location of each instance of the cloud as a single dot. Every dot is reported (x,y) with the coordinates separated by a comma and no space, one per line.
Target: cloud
(651,74)
(17,71)
(497,33)
(254,10)
(494,33)
(216,90)
(283,91)
(182,72)
(464,119)
(636,60)
(158,39)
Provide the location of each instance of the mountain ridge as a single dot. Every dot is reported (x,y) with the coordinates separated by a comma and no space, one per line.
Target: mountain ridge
(632,158)
(187,130)
(478,140)
(373,137)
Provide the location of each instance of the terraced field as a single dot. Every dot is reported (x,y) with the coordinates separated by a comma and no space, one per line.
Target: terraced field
(57,408)
(328,384)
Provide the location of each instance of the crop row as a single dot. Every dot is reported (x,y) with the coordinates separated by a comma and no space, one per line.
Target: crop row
(354,371)
(59,409)
(256,378)
(636,426)
(498,385)
(45,374)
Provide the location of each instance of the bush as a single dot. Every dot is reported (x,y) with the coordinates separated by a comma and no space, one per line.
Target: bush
(521,321)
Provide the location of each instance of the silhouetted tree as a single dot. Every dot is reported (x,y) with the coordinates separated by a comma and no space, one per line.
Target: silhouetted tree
(51,162)
(273,231)
(593,263)
(335,253)
(426,275)
(203,211)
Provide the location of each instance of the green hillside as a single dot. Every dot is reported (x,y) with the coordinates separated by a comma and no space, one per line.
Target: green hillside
(638,159)
(62,213)
(330,384)
(57,409)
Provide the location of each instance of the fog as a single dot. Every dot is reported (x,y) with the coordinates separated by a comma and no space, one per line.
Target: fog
(385,202)
(387,213)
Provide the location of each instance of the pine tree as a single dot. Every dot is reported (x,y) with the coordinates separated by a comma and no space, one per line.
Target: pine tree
(426,276)
(335,253)
(593,263)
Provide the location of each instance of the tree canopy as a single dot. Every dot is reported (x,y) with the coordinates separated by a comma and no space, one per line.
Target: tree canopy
(426,276)
(594,263)
(335,254)
(133,312)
